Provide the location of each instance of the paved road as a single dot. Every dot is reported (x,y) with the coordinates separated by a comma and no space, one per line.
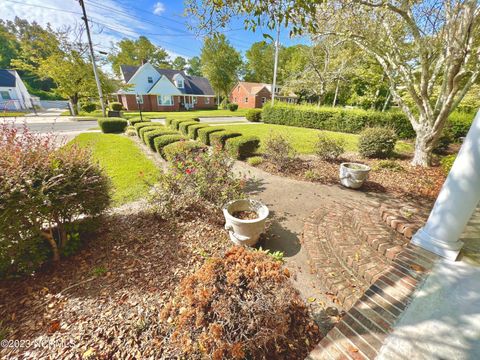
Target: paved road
(59,127)
(229,119)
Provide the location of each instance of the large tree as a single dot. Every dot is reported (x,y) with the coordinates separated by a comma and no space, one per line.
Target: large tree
(134,52)
(179,63)
(220,63)
(427,49)
(195,66)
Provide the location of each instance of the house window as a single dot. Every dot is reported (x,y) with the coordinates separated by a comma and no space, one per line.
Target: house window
(194,99)
(165,100)
(246,100)
(264,99)
(5,95)
(150,80)
(207,100)
(139,99)
(180,83)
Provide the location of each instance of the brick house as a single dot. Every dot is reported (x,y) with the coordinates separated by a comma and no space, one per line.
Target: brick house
(154,89)
(249,95)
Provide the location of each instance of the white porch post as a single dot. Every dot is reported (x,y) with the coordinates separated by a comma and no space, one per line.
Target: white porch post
(456,202)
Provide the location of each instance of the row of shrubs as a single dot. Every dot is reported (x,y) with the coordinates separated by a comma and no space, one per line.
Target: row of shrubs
(355,120)
(91,106)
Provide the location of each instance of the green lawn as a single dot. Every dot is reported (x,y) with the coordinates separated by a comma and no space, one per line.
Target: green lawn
(13,113)
(304,139)
(130,170)
(188,114)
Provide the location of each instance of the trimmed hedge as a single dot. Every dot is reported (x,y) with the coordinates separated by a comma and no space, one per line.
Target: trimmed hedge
(175,123)
(168,122)
(183,127)
(232,107)
(116,106)
(181,147)
(141,132)
(137,119)
(112,125)
(254,115)
(219,138)
(161,141)
(204,134)
(241,147)
(193,130)
(335,119)
(139,126)
(376,143)
(149,136)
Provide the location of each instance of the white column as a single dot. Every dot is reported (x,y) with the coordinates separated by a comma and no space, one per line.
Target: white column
(456,202)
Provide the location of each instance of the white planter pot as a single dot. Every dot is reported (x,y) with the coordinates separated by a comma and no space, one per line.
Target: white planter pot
(245,232)
(353,175)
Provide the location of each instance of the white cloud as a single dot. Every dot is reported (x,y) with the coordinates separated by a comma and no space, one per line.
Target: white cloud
(158,8)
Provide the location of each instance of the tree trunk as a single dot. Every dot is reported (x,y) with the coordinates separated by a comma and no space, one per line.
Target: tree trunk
(336,94)
(422,155)
(48,235)
(74,103)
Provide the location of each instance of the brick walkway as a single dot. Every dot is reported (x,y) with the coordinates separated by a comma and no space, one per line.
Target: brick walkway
(371,269)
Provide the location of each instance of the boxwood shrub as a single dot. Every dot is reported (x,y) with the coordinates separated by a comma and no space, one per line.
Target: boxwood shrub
(137,119)
(175,124)
(140,126)
(115,106)
(241,147)
(336,119)
(161,141)
(219,138)
(143,130)
(232,107)
(183,127)
(376,142)
(204,134)
(193,130)
(171,151)
(168,122)
(254,115)
(149,136)
(112,125)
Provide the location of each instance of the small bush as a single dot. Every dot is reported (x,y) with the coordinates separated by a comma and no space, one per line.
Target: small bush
(279,151)
(254,160)
(136,120)
(224,104)
(233,107)
(115,106)
(247,291)
(112,125)
(376,143)
(140,125)
(458,124)
(89,107)
(161,141)
(130,131)
(183,127)
(329,148)
(175,123)
(447,163)
(219,138)
(389,165)
(193,130)
(254,115)
(180,149)
(150,136)
(241,147)
(141,132)
(204,134)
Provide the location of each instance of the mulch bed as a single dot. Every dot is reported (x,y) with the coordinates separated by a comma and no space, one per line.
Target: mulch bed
(410,182)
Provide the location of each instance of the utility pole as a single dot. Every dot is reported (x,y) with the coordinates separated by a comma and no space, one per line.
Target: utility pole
(277,45)
(92,55)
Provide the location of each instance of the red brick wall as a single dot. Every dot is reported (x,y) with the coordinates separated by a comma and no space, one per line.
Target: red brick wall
(238,95)
(258,98)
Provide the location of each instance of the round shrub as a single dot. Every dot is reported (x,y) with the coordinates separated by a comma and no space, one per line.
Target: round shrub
(254,115)
(116,106)
(241,147)
(89,107)
(181,148)
(112,125)
(329,148)
(204,134)
(150,136)
(219,138)
(150,126)
(245,290)
(376,142)
(161,141)
(232,107)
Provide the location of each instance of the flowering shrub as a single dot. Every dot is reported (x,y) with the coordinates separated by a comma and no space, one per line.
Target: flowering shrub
(279,151)
(198,177)
(43,191)
(241,306)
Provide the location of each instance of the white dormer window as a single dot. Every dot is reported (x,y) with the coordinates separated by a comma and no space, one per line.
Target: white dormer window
(150,80)
(180,83)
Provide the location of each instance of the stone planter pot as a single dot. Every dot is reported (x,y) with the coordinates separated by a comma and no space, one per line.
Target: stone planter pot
(245,232)
(353,175)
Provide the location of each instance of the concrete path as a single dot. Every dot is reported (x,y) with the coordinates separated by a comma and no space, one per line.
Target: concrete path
(222,120)
(443,319)
(57,127)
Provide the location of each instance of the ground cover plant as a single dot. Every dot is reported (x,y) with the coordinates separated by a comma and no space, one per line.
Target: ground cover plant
(130,170)
(44,191)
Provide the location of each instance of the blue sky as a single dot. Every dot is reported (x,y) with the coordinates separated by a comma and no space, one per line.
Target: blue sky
(161,21)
